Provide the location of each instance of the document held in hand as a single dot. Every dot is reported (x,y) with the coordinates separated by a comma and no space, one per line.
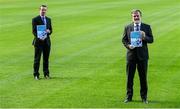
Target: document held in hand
(136,38)
(41,32)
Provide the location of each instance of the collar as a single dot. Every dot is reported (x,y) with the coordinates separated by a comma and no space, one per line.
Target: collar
(138,24)
(42,16)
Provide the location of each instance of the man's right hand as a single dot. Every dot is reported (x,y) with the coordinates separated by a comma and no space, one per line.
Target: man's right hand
(131,47)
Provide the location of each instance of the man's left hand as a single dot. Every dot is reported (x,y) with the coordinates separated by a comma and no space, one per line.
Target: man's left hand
(143,34)
(48,31)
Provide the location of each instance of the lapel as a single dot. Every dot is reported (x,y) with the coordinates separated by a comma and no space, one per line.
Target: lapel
(142,27)
(46,20)
(40,20)
(132,27)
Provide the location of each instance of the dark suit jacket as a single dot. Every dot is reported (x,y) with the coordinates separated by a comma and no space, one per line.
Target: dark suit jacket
(38,21)
(140,53)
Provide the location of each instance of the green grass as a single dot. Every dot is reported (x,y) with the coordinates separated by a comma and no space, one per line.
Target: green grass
(87,61)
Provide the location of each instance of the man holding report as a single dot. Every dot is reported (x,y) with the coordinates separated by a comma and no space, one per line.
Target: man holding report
(135,38)
(41,28)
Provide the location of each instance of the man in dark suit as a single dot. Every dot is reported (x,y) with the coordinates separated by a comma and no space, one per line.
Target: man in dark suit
(137,57)
(42,46)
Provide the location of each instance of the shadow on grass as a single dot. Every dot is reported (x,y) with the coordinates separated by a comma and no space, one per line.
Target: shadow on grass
(68,78)
(154,102)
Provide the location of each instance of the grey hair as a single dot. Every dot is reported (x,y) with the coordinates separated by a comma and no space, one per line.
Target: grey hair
(136,10)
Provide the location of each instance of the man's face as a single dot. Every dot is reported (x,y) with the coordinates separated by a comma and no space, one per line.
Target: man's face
(136,17)
(42,11)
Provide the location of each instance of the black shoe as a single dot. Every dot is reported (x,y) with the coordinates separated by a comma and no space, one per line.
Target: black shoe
(47,77)
(36,78)
(145,101)
(127,100)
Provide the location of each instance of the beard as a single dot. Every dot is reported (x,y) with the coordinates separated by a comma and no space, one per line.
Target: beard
(137,20)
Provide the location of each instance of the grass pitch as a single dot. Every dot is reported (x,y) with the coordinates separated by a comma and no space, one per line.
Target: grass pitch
(87,61)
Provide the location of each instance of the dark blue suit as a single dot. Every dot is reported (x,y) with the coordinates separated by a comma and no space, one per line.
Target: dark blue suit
(137,57)
(41,46)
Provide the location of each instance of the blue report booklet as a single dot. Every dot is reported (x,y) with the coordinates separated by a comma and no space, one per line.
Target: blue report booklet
(41,32)
(136,38)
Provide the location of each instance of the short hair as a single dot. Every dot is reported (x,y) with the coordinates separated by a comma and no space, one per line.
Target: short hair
(43,6)
(136,10)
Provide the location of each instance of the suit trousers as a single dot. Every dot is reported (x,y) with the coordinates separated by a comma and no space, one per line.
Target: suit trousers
(142,71)
(44,49)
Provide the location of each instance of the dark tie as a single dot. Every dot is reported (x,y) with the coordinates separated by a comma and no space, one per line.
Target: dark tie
(137,27)
(43,19)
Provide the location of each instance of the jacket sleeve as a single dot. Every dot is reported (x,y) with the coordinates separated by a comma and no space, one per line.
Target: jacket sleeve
(149,36)
(34,30)
(50,27)
(125,39)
